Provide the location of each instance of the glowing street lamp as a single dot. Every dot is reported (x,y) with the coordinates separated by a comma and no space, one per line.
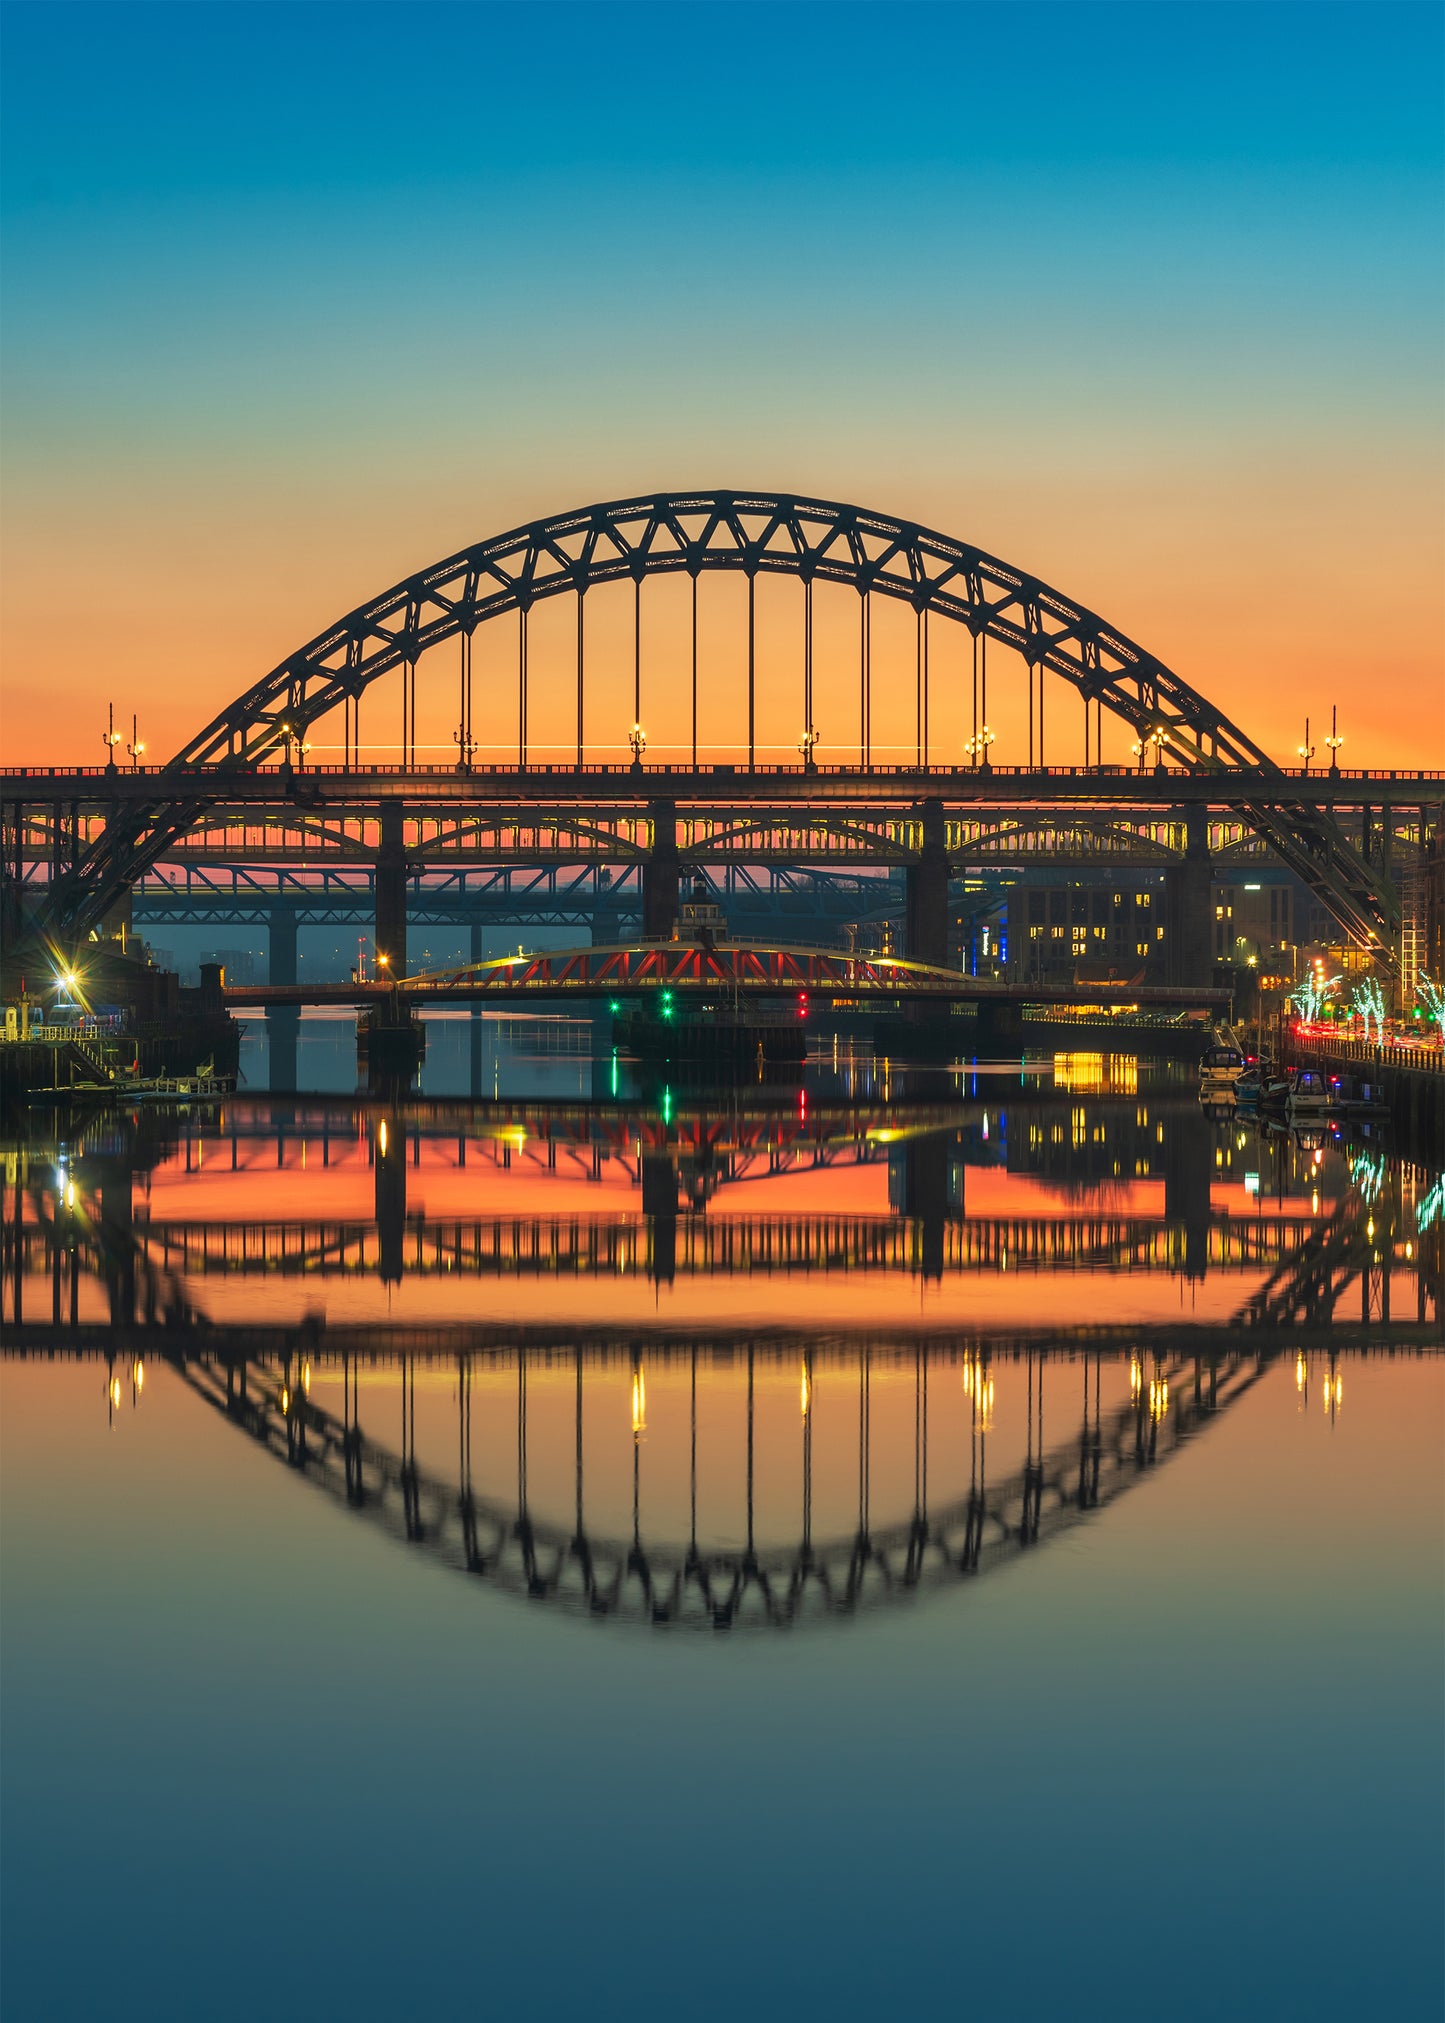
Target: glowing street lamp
(1334,740)
(135,747)
(1306,750)
(1158,738)
(110,738)
(637,738)
(977,747)
(808,746)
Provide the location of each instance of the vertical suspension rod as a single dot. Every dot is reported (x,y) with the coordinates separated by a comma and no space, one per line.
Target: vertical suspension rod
(694,670)
(808,656)
(637,651)
(522,686)
(752,667)
(581,670)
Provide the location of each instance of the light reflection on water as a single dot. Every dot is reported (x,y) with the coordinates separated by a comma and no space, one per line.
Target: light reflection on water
(722,1498)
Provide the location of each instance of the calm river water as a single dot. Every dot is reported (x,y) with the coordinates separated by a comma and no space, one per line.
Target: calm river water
(893,1545)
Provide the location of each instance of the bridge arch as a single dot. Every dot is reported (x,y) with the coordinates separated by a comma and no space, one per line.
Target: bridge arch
(1172,724)
(755,534)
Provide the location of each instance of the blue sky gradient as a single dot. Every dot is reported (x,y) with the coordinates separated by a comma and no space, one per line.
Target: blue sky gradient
(1147,299)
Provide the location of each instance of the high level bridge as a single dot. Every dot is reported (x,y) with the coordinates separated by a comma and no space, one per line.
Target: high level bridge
(965,715)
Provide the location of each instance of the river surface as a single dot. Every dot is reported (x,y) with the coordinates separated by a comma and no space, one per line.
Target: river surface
(901,1544)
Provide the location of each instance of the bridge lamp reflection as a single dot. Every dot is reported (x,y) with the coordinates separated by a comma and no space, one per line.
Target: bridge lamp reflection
(1301,1374)
(1158,1398)
(639,1403)
(978,1385)
(381,1137)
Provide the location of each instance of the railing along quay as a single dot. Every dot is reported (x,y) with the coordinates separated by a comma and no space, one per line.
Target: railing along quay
(1408,1080)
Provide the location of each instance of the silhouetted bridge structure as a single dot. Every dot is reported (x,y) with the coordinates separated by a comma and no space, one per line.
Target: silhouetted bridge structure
(1192,785)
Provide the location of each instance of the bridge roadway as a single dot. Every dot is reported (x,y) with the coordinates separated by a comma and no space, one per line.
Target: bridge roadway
(932,824)
(717,786)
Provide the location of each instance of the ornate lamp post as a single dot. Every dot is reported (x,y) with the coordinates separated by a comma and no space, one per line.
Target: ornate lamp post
(1334,740)
(135,747)
(110,738)
(977,748)
(1306,750)
(808,746)
(637,738)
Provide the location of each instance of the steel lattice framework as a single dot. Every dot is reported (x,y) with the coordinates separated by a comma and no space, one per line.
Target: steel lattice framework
(743,969)
(757,534)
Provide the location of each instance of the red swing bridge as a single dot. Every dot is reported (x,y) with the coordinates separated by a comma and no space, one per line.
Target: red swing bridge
(679,974)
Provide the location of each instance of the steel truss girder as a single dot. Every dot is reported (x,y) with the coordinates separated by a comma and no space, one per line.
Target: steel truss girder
(756,534)
(743,836)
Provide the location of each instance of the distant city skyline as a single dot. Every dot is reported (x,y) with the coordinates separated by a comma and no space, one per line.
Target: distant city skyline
(1146,301)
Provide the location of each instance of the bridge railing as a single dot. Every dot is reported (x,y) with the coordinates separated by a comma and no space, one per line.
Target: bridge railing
(713,768)
(1422,1055)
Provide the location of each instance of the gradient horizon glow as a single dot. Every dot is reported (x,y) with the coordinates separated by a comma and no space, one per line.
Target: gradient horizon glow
(1144,300)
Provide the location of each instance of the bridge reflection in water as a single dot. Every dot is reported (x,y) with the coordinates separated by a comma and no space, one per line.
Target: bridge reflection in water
(690,1467)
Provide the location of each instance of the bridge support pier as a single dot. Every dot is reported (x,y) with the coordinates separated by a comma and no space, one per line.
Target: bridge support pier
(1189,908)
(998,1029)
(659,1205)
(283,1022)
(925,1197)
(1187,1172)
(474,1018)
(391,872)
(925,933)
(389,1162)
(660,873)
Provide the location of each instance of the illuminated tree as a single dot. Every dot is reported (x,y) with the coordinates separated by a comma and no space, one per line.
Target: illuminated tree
(1312,996)
(1367,1002)
(1432,997)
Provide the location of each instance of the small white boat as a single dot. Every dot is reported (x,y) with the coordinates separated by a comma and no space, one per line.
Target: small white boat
(1309,1094)
(1219,1072)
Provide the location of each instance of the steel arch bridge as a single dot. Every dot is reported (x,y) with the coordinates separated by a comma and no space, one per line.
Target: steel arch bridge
(757,535)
